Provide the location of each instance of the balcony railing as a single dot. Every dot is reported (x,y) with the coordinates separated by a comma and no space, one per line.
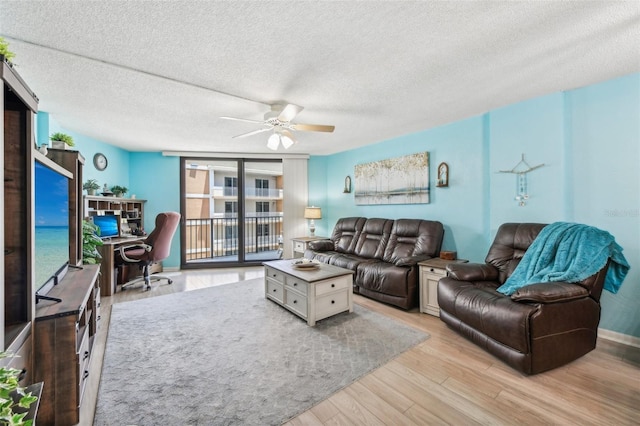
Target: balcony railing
(251,215)
(217,237)
(232,191)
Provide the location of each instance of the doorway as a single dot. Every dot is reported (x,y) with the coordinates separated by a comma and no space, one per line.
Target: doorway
(233,210)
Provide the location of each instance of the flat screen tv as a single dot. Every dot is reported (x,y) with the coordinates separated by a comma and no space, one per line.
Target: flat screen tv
(108,225)
(51,214)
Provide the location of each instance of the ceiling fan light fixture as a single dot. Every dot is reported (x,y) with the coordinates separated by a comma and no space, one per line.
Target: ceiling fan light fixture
(279,120)
(273,142)
(286,142)
(287,139)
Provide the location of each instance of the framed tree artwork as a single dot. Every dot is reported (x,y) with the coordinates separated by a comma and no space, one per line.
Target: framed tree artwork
(401,180)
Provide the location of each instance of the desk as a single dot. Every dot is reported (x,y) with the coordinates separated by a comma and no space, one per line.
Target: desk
(107,267)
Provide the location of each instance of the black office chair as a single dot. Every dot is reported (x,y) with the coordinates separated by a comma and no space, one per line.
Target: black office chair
(155,248)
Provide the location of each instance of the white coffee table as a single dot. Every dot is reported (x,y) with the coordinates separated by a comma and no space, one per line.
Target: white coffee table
(311,294)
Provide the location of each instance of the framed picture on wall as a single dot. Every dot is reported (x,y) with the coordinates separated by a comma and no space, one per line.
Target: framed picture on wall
(443,175)
(401,180)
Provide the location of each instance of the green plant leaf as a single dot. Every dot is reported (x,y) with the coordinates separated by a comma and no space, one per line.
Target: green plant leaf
(62,137)
(16,419)
(27,400)
(9,387)
(4,50)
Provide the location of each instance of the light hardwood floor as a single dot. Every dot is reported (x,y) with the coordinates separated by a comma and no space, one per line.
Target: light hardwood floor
(445,380)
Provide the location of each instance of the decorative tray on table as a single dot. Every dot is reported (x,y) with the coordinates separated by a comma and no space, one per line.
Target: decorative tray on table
(305,264)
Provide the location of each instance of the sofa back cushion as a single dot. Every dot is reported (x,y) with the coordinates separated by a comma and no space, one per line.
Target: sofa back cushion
(509,245)
(346,233)
(413,237)
(374,238)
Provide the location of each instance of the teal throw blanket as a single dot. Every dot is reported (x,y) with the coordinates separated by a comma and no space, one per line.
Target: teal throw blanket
(569,252)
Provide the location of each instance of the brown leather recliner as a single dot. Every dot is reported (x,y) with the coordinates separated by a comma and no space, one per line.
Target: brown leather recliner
(538,328)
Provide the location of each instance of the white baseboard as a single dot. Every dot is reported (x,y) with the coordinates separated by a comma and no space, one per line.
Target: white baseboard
(171,268)
(619,337)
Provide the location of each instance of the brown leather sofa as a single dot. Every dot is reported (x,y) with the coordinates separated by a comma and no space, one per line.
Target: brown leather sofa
(540,326)
(383,253)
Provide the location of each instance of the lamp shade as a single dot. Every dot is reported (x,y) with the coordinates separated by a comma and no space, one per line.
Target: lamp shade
(312,213)
(273,141)
(287,139)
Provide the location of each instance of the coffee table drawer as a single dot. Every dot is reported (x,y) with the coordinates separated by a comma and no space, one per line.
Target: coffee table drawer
(332,304)
(333,284)
(296,302)
(275,290)
(274,275)
(296,283)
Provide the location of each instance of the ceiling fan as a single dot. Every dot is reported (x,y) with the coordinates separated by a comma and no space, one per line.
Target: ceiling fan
(279,121)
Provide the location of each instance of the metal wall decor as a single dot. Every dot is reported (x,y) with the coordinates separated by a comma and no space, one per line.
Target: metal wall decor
(443,175)
(347,185)
(521,169)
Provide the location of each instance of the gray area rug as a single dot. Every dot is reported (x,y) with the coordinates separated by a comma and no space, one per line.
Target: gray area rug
(227,356)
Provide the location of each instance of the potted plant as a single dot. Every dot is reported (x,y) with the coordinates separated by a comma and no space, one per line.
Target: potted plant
(15,401)
(91,186)
(4,50)
(90,243)
(61,140)
(118,190)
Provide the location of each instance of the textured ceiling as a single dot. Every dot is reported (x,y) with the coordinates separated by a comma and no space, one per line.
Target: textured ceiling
(153,76)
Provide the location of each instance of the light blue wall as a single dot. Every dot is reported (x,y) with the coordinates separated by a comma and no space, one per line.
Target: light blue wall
(534,128)
(460,145)
(117,171)
(157,180)
(589,142)
(605,181)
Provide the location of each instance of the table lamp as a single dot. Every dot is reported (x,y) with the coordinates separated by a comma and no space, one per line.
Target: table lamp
(312,213)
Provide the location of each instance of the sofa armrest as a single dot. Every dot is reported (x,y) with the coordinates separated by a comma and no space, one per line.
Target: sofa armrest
(411,260)
(552,292)
(472,272)
(321,245)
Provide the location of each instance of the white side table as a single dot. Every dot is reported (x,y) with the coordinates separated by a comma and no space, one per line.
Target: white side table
(300,244)
(430,273)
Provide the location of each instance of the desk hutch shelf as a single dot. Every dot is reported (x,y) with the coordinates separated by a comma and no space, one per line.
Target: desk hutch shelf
(127,208)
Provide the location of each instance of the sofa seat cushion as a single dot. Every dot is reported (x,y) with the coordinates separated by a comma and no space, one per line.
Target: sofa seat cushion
(321,256)
(347,261)
(384,277)
(481,307)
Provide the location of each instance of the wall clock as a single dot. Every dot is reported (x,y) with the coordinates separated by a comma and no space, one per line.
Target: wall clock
(100,161)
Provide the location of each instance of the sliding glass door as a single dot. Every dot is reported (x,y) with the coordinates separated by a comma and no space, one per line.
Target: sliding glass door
(263,210)
(233,211)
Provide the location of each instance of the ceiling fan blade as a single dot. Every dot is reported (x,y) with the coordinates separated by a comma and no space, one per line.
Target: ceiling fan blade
(312,127)
(243,119)
(255,132)
(289,112)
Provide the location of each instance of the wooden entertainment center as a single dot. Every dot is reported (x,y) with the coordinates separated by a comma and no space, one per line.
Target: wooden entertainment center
(64,336)
(53,340)
(16,265)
